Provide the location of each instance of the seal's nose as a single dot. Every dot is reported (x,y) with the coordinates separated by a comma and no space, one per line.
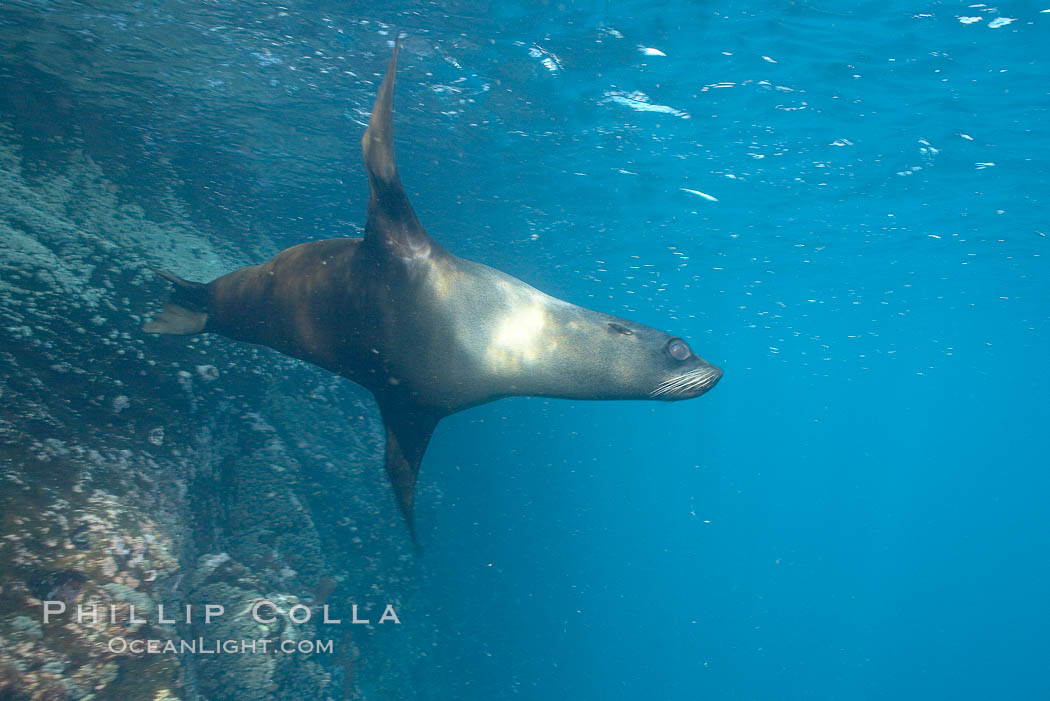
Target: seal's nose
(694,382)
(714,374)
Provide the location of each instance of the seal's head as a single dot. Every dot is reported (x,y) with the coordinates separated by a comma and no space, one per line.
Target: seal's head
(650,364)
(688,375)
(538,345)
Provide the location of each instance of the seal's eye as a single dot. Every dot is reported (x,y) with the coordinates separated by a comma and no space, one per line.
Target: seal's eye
(678,350)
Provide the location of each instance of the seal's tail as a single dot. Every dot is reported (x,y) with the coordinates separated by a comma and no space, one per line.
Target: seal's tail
(185,313)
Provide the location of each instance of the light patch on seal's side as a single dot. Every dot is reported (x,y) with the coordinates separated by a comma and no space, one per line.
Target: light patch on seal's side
(443,280)
(518,339)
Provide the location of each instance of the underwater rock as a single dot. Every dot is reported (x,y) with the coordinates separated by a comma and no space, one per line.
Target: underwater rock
(133,472)
(63,585)
(81,537)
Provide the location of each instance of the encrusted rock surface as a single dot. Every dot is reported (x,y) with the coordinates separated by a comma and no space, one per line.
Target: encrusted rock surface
(139,470)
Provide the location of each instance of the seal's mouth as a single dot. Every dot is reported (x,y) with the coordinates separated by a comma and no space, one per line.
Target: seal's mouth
(688,385)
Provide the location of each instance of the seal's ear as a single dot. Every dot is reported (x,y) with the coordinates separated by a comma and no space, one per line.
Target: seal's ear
(392,225)
(407,434)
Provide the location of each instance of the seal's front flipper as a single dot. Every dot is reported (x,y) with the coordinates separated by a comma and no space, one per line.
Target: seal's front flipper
(407,436)
(392,225)
(184,314)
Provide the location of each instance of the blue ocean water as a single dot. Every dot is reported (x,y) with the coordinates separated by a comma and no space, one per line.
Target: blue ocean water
(843,205)
(858,510)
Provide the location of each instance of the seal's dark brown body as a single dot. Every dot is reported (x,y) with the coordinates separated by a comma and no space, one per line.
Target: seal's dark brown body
(428,333)
(297,303)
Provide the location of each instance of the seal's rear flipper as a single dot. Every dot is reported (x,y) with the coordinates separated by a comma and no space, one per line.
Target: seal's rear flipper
(407,436)
(184,314)
(392,225)
(177,320)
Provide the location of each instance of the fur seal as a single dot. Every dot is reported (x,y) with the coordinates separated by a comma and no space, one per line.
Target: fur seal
(428,333)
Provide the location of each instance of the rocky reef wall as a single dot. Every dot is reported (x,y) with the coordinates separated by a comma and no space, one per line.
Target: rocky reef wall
(139,470)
